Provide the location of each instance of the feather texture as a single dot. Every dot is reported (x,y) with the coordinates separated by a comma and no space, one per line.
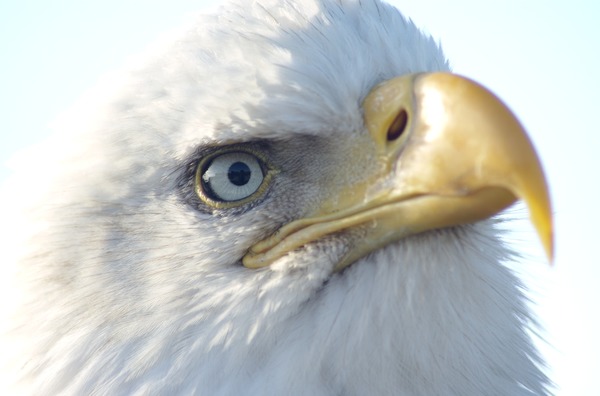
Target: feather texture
(125,284)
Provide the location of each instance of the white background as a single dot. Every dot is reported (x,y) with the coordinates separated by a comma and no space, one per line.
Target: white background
(541,57)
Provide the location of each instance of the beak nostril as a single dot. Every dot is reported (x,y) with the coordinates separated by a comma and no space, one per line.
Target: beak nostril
(398,126)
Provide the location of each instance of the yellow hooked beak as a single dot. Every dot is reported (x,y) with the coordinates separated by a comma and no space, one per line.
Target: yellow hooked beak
(452,154)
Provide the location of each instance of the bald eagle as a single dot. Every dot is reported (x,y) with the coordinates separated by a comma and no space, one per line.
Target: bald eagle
(283,198)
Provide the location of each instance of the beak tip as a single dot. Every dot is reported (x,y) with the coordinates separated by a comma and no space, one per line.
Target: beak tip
(549,248)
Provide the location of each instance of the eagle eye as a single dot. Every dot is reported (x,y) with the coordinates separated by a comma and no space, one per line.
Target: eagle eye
(231,178)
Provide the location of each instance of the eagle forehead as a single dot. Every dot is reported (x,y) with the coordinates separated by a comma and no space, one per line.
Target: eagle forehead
(276,68)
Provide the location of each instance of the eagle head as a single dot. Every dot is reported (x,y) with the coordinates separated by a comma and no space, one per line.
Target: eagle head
(284,197)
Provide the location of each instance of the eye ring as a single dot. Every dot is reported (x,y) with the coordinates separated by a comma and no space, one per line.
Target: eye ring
(232,177)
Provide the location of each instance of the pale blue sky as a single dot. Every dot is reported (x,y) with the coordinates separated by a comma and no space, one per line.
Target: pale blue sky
(541,57)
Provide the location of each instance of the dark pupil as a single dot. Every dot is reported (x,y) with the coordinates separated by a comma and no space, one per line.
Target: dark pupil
(239,173)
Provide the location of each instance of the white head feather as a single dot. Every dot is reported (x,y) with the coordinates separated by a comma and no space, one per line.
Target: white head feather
(129,286)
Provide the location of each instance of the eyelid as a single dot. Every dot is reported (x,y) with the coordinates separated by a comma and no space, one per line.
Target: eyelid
(268,172)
